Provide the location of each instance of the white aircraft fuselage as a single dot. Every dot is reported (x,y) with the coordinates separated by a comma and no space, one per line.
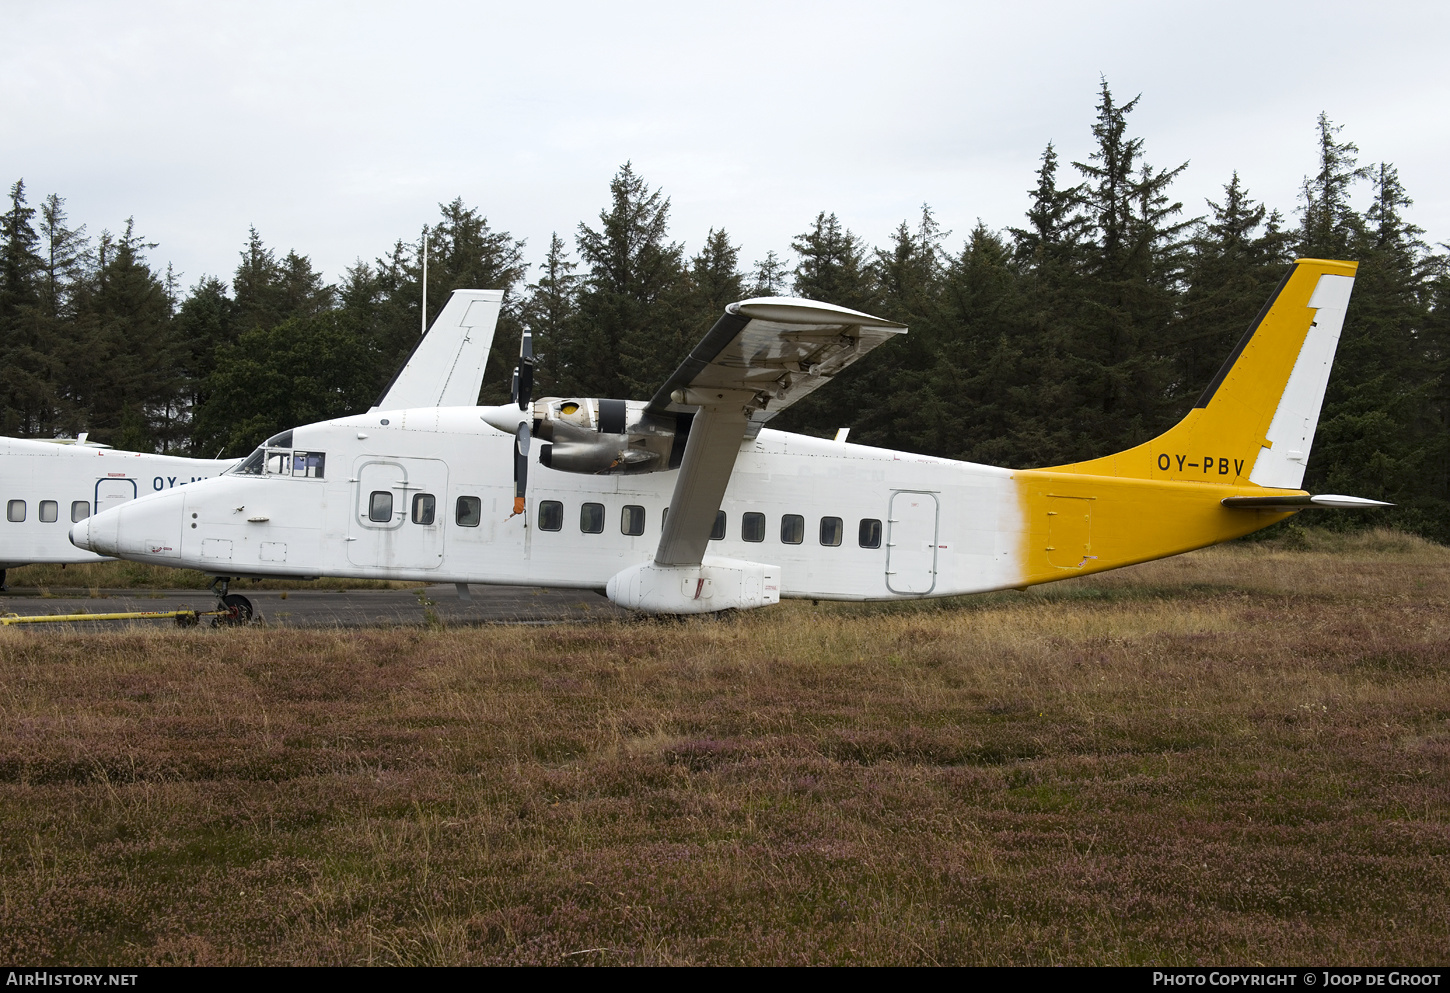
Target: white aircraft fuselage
(575,492)
(934,526)
(47,487)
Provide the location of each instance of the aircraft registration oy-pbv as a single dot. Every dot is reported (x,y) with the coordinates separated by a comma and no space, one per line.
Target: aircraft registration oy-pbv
(688,503)
(48,485)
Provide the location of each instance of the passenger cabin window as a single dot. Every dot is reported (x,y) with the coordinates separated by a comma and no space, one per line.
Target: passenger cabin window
(718,531)
(631,520)
(380,507)
(831,531)
(752,527)
(425,508)
(15,512)
(468,512)
(591,518)
(870,533)
(49,511)
(551,515)
(792,529)
(79,511)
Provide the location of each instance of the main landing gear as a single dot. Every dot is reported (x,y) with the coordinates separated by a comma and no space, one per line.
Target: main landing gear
(236,608)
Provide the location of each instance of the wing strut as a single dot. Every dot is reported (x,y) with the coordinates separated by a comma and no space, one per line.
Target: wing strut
(715,438)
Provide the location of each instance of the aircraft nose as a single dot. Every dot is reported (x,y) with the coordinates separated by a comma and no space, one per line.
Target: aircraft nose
(97,533)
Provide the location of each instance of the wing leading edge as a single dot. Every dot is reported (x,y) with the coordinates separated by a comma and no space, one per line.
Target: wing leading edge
(759,358)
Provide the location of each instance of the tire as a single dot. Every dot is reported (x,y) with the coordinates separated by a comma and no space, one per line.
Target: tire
(239,611)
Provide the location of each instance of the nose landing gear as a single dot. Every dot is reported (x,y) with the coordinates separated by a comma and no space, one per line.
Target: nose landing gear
(237,608)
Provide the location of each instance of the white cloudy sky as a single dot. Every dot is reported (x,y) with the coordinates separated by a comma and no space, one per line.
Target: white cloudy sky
(337,127)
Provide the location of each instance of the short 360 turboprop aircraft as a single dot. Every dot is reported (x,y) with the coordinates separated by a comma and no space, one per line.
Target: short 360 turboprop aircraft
(686,504)
(48,485)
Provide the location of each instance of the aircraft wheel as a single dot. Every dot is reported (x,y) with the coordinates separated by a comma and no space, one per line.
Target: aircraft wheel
(238,611)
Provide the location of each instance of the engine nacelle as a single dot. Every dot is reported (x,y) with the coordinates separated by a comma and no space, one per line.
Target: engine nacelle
(608,437)
(716,584)
(598,436)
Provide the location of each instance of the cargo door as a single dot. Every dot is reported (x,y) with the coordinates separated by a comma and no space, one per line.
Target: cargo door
(911,542)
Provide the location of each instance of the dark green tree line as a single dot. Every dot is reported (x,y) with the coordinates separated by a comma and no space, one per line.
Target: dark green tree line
(1092,326)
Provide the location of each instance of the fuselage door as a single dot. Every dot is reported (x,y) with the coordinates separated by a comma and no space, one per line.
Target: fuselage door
(911,542)
(398,513)
(114,492)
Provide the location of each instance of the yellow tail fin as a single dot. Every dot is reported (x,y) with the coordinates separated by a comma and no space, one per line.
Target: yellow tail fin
(1255,422)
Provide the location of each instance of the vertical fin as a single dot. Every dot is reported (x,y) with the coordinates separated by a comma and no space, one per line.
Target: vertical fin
(1255,422)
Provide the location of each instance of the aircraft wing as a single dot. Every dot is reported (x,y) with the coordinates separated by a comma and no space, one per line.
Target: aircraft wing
(759,358)
(446,369)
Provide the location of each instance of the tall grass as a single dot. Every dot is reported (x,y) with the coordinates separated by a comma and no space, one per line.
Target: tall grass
(1239,755)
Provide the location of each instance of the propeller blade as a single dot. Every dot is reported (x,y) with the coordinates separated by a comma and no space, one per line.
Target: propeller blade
(524,383)
(521,466)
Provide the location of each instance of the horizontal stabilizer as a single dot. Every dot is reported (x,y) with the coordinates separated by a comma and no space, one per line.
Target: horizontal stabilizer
(1302,502)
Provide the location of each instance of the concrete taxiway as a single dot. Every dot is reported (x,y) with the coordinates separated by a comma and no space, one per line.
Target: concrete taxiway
(329,608)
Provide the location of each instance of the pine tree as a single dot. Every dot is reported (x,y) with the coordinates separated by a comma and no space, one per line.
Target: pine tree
(550,312)
(1239,254)
(1379,430)
(715,281)
(1330,222)
(831,265)
(1049,244)
(257,285)
(300,289)
(63,252)
(630,335)
(27,375)
(769,278)
(1131,273)
(205,323)
(130,371)
(303,370)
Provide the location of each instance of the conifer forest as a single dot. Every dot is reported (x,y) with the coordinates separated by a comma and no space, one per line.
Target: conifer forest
(1091,327)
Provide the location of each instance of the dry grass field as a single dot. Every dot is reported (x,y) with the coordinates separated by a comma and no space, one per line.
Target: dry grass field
(1235,756)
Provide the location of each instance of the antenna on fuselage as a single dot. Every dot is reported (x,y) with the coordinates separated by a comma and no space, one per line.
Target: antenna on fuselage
(424,331)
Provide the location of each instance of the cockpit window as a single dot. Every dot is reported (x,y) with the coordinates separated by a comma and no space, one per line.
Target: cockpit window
(308,464)
(280,462)
(252,464)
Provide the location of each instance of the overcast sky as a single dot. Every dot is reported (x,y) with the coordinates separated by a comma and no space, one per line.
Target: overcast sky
(336,128)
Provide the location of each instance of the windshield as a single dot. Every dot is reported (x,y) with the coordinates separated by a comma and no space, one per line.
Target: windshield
(252,464)
(267,461)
